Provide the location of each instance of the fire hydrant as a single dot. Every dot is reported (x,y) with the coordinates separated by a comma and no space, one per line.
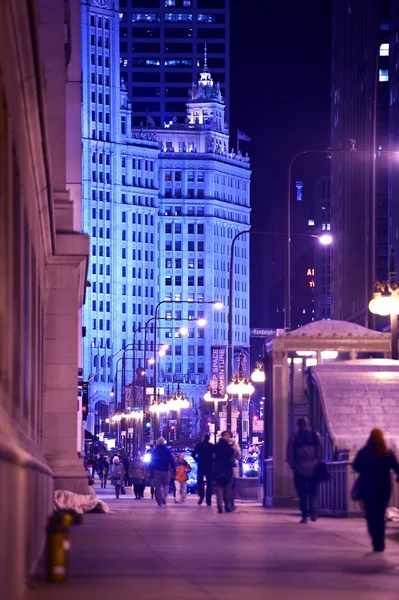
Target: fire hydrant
(58,547)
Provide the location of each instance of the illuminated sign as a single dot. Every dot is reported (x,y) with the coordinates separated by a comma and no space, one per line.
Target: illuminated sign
(218,371)
(310,273)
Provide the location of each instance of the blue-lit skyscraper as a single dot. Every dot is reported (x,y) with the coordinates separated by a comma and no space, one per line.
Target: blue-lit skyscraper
(162,207)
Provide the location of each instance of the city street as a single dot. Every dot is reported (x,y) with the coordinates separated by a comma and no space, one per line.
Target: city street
(182,552)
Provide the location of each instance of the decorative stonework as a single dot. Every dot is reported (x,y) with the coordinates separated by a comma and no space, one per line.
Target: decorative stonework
(333,329)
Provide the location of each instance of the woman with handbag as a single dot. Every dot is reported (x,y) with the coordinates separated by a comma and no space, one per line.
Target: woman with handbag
(374,463)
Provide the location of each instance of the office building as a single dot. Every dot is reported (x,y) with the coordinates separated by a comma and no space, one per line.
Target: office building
(162,44)
(356,259)
(162,205)
(322,275)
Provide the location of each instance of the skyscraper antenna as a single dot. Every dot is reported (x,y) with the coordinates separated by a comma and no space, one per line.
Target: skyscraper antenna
(205,57)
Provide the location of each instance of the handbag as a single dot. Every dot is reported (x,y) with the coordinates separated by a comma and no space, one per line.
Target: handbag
(321,472)
(356,494)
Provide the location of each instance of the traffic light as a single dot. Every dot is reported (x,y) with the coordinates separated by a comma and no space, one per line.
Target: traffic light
(85,400)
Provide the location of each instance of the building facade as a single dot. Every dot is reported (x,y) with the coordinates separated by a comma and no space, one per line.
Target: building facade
(359,221)
(43,262)
(162,44)
(322,275)
(162,206)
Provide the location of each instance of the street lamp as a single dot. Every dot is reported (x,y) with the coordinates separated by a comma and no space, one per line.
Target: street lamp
(240,386)
(385,301)
(209,398)
(258,374)
(176,403)
(324,239)
(217,304)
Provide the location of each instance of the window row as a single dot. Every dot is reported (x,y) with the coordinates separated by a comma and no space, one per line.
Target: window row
(98,79)
(167,367)
(155,17)
(190,297)
(137,200)
(177,211)
(100,98)
(98,41)
(99,21)
(138,272)
(177,175)
(203,33)
(98,135)
(101,61)
(178,263)
(190,228)
(99,117)
(100,177)
(138,163)
(191,193)
(191,280)
(178,246)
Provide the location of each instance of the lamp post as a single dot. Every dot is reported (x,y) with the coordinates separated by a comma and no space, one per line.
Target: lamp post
(209,398)
(324,239)
(385,302)
(240,386)
(216,303)
(176,403)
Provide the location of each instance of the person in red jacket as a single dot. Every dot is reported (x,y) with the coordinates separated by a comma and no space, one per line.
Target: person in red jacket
(182,468)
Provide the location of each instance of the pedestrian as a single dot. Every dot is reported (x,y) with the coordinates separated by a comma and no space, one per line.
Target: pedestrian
(103,469)
(182,468)
(223,472)
(123,457)
(117,475)
(162,463)
(137,472)
(203,454)
(304,452)
(374,463)
(236,468)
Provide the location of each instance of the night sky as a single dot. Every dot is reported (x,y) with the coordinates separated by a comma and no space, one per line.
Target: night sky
(280,97)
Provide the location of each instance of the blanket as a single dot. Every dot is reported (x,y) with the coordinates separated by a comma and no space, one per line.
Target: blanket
(80,503)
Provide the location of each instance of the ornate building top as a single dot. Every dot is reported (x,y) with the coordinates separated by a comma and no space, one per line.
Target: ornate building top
(205,90)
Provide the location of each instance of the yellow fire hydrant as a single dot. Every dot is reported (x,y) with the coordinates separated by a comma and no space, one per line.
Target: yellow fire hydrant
(58,547)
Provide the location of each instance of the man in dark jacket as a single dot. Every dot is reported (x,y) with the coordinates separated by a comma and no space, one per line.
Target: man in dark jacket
(304,451)
(203,455)
(162,462)
(223,473)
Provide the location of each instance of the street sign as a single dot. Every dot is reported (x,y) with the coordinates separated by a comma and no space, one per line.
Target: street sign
(257,425)
(130,430)
(218,372)
(123,433)
(265,332)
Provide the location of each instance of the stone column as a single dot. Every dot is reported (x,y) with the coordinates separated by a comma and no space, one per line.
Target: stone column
(283,490)
(65,283)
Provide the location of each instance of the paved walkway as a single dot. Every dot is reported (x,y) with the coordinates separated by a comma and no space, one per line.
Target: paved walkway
(188,552)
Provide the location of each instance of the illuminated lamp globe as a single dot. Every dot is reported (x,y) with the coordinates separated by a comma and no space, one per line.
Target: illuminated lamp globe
(209,398)
(218,305)
(258,375)
(183,330)
(329,354)
(383,304)
(201,322)
(240,387)
(162,352)
(325,239)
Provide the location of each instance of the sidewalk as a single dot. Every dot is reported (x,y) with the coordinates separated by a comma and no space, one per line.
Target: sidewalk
(182,552)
